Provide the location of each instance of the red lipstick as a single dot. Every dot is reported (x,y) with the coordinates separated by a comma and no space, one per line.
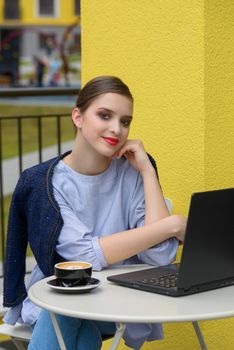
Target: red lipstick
(111,141)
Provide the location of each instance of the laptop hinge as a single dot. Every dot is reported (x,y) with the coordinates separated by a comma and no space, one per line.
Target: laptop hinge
(208,286)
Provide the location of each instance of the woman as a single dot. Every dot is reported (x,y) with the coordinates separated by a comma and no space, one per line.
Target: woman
(101,203)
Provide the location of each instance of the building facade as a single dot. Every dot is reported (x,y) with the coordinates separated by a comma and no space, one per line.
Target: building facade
(30,29)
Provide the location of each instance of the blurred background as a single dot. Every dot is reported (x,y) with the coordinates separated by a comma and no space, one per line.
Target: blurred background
(39,43)
(40,72)
(177,58)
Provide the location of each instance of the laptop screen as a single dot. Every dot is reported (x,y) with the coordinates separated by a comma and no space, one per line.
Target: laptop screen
(208,252)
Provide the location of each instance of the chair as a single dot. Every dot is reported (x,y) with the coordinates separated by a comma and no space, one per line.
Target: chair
(169,205)
(20,334)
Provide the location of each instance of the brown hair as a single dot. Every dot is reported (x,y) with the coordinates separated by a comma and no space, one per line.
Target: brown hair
(98,86)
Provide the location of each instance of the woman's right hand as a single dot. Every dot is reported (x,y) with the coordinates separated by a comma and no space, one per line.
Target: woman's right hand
(134,152)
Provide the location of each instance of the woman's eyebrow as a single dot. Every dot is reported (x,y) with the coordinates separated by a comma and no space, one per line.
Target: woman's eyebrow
(111,111)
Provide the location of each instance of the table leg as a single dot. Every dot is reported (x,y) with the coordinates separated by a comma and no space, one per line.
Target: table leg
(115,342)
(199,335)
(58,331)
(118,335)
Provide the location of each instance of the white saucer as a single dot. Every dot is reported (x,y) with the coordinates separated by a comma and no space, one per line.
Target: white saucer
(92,284)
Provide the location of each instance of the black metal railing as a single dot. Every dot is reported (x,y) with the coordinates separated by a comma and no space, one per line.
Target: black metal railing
(18,151)
(18,154)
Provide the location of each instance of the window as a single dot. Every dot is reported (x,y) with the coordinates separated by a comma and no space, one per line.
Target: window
(11,9)
(77,7)
(46,8)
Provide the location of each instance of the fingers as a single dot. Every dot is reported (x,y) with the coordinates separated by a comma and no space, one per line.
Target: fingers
(134,152)
(130,146)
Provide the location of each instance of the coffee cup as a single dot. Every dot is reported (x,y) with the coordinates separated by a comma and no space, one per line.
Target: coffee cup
(73,273)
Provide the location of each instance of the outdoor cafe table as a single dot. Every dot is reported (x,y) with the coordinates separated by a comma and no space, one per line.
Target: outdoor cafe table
(110,302)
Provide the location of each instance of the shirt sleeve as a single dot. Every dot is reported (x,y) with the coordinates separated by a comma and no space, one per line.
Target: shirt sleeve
(161,254)
(137,206)
(75,242)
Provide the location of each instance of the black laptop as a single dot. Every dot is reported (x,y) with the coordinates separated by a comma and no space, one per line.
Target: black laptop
(207,260)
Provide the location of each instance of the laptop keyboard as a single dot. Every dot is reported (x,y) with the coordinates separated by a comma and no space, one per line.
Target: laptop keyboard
(165,281)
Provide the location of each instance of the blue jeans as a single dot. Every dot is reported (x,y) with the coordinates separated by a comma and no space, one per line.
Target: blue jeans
(78,334)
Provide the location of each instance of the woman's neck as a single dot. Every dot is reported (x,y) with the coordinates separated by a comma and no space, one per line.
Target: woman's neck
(86,162)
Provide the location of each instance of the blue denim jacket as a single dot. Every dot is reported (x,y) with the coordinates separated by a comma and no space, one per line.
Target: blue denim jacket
(34,218)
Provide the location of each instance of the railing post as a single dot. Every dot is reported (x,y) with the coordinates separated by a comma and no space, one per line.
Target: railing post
(39,138)
(19,128)
(58,118)
(2,200)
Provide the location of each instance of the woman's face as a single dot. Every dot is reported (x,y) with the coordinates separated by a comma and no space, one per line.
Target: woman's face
(104,125)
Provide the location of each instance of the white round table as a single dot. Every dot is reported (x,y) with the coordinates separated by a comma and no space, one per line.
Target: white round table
(110,302)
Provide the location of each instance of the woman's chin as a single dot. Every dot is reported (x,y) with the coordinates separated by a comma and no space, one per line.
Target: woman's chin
(108,153)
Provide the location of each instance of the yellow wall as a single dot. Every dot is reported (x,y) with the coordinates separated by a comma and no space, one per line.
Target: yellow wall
(219,93)
(177,58)
(158,49)
(28,14)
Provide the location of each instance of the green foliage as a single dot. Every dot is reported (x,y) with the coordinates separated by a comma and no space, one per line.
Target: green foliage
(30,128)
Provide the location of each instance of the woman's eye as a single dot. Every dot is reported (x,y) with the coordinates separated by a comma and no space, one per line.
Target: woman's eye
(104,116)
(126,123)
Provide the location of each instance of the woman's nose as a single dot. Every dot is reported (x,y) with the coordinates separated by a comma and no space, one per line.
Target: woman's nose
(115,127)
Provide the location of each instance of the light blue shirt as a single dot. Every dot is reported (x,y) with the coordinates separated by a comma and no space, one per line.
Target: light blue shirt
(94,207)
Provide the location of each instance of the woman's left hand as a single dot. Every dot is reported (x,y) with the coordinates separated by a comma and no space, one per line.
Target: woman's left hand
(134,152)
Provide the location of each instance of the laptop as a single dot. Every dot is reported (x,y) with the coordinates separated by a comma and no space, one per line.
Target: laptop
(207,260)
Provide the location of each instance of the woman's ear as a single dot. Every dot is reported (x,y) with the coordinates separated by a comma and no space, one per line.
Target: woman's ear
(77,118)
